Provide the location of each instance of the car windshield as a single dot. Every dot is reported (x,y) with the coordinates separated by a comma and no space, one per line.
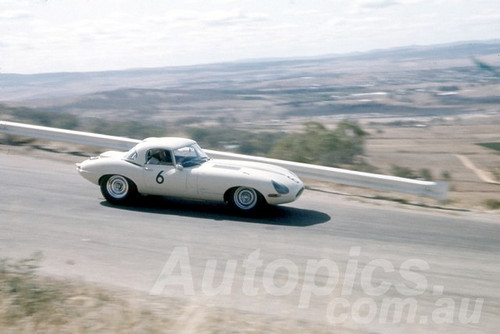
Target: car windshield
(190,155)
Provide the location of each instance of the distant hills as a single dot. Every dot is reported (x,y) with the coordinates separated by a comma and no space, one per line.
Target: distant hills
(438,79)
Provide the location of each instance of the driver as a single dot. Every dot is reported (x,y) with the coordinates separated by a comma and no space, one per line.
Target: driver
(160,158)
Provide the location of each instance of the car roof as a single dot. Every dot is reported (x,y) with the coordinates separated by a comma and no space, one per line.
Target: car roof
(169,143)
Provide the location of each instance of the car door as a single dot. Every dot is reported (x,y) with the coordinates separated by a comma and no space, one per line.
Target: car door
(161,177)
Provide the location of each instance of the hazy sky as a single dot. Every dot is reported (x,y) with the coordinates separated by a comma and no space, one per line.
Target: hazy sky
(92,35)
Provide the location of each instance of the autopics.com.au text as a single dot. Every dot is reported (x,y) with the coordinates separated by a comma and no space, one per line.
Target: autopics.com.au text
(394,299)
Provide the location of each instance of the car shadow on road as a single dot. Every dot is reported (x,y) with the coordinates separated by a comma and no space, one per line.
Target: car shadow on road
(271,215)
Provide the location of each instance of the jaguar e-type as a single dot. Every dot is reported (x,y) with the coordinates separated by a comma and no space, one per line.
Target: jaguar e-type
(178,167)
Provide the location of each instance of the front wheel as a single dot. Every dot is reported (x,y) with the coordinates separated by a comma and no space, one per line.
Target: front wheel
(245,199)
(117,189)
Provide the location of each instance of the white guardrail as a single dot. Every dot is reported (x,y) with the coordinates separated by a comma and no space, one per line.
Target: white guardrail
(437,190)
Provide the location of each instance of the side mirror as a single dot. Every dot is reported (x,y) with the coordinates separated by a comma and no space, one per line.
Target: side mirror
(179,167)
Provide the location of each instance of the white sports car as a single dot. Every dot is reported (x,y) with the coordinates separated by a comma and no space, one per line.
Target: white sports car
(179,167)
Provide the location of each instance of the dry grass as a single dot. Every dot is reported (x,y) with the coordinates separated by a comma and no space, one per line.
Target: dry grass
(33,304)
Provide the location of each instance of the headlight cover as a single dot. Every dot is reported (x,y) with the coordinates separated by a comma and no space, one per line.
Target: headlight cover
(280,188)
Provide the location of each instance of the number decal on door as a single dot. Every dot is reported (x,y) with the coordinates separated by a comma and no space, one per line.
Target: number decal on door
(159,178)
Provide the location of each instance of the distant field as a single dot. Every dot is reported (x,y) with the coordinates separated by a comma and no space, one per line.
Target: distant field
(409,82)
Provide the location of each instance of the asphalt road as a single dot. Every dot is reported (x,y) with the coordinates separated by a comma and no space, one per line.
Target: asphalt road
(349,264)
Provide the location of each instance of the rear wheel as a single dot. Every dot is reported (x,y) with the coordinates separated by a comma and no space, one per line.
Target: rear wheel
(245,199)
(117,189)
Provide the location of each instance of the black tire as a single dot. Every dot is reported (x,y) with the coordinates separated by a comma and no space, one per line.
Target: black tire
(117,189)
(245,200)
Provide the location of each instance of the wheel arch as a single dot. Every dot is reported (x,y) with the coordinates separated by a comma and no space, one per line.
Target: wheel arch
(131,172)
(105,177)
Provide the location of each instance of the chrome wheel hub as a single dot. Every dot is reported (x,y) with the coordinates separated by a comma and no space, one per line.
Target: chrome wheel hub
(117,186)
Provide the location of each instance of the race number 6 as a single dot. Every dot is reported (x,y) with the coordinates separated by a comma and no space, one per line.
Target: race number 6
(159,178)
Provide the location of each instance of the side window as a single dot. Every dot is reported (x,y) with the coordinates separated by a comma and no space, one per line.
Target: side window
(158,157)
(132,155)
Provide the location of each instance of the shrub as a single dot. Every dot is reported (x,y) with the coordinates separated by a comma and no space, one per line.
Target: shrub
(319,145)
(426,174)
(405,172)
(408,173)
(446,175)
(493,204)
